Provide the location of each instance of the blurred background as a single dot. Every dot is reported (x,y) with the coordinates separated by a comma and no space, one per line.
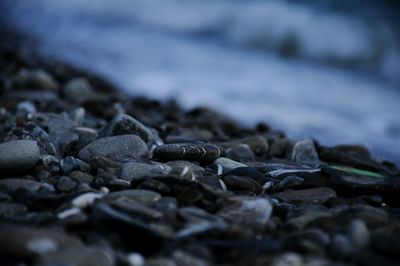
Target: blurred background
(329,69)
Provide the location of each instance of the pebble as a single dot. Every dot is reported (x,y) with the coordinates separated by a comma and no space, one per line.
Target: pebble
(147,197)
(203,153)
(66,184)
(304,152)
(80,91)
(311,195)
(34,79)
(119,148)
(358,233)
(245,210)
(18,155)
(240,183)
(241,153)
(14,184)
(70,163)
(123,124)
(228,164)
(139,170)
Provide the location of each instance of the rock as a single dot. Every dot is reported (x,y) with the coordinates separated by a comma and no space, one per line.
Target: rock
(123,124)
(8,209)
(13,184)
(119,148)
(341,246)
(228,164)
(18,155)
(358,233)
(34,79)
(249,172)
(86,199)
(240,183)
(241,153)
(252,211)
(66,184)
(203,153)
(147,197)
(304,152)
(288,182)
(71,163)
(257,144)
(139,170)
(185,169)
(81,177)
(311,195)
(79,91)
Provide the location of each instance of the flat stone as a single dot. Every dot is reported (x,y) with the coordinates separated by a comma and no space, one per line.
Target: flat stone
(117,148)
(147,197)
(240,183)
(35,79)
(80,176)
(228,164)
(139,170)
(311,195)
(13,184)
(18,155)
(203,153)
(241,153)
(123,124)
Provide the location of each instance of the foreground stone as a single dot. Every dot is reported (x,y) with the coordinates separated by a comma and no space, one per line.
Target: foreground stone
(18,155)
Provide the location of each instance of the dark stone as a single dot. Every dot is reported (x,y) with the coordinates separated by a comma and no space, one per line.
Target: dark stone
(123,124)
(203,153)
(119,148)
(311,195)
(71,163)
(240,183)
(304,152)
(66,184)
(241,153)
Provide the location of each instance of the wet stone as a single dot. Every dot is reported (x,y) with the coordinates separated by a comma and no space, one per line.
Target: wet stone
(240,183)
(203,153)
(137,170)
(34,79)
(358,233)
(123,124)
(8,209)
(119,148)
(81,176)
(18,155)
(14,184)
(311,195)
(147,197)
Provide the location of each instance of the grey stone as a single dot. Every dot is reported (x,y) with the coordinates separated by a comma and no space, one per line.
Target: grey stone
(13,184)
(341,246)
(240,183)
(244,210)
(8,209)
(80,91)
(117,148)
(139,170)
(145,196)
(304,152)
(18,155)
(123,124)
(358,233)
(241,152)
(81,176)
(71,163)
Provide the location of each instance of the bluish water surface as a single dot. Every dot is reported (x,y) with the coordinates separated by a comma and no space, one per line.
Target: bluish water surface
(326,69)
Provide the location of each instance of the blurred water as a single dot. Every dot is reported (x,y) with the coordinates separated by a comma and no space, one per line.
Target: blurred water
(321,70)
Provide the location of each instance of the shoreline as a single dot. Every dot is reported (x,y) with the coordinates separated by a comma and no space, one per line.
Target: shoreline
(118,180)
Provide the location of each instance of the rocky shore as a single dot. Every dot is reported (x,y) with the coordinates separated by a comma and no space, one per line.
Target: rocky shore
(90,176)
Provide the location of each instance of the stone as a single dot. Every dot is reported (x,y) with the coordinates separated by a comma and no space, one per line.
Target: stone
(228,164)
(80,176)
(66,184)
(304,152)
(70,163)
(9,209)
(137,170)
(241,153)
(34,79)
(240,183)
(311,195)
(203,153)
(341,246)
(123,124)
(119,148)
(147,197)
(244,210)
(358,233)
(18,155)
(79,91)
(13,184)
(288,182)
(249,172)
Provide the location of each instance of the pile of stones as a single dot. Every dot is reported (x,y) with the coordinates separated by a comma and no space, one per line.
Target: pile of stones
(90,176)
